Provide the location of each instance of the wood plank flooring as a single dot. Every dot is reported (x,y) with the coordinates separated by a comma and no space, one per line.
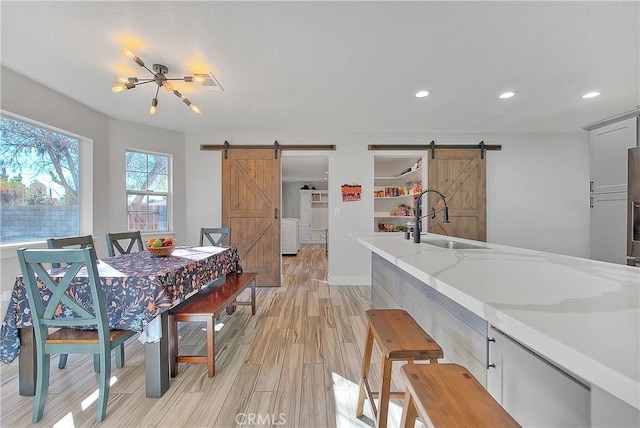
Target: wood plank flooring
(296,363)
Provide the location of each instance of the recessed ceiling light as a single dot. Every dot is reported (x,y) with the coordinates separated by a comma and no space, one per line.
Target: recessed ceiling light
(591,95)
(422,94)
(507,95)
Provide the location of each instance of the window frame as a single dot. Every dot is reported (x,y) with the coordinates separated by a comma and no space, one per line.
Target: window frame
(168,193)
(85,185)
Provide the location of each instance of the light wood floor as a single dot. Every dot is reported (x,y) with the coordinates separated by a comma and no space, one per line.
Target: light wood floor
(296,363)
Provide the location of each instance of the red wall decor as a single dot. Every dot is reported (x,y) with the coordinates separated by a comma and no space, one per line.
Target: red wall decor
(351,192)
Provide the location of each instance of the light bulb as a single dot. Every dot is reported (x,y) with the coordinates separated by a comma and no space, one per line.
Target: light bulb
(167,85)
(199,77)
(123,79)
(118,87)
(154,107)
(195,109)
(134,58)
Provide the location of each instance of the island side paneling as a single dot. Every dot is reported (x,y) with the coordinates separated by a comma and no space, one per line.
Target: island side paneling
(461,334)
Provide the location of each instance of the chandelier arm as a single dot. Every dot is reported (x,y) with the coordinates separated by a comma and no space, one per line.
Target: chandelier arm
(147,68)
(176,78)
(142,83)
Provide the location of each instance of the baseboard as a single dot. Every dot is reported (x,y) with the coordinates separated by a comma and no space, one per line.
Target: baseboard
(349,280)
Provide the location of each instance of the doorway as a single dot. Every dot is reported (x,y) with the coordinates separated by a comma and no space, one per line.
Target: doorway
(305,202)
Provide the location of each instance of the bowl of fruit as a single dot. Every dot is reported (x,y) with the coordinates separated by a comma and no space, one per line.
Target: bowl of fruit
(161,247)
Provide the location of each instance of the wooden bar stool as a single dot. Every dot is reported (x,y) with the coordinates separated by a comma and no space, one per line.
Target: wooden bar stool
(400,338)
(447,395)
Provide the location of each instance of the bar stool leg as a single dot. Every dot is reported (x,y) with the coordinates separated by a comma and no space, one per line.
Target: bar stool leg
(366,363)
(409,412)
(383,396)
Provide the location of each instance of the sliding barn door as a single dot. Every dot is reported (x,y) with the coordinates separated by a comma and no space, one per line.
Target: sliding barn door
(460,174)
(250,205)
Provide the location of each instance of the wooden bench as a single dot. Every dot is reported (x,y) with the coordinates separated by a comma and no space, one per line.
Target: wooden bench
(400,338)
(447,395)
(206,305)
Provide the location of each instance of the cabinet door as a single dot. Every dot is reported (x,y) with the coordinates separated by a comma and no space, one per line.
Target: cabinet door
(533,391)
(608,155)
(609,227)
(305,216)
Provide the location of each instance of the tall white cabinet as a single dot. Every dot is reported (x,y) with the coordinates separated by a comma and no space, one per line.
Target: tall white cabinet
(314,216)
(608,147)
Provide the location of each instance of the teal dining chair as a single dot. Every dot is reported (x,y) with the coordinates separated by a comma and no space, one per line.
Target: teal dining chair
(72,241)
(75,242)
(68,338)
(115,241)
(216,236)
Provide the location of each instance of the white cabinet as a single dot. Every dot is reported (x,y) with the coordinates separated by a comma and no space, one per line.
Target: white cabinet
(290,235)
(313,215)
(609,227)
(533,391)
(608,149)
(397,182)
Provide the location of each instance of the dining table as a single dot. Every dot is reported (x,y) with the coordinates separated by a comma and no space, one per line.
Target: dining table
(139,290)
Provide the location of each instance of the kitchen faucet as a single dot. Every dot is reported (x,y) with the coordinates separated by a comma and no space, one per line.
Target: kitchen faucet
(445,212)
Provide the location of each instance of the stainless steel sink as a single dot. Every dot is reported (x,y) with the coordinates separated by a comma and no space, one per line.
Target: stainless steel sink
(453,245)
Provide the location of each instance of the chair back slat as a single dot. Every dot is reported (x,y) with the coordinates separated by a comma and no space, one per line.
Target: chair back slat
(62,307)
(73,241)
(59,289)
(209,232)
(129,239)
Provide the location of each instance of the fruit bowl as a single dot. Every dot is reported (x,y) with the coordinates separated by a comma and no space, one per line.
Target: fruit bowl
(161,247)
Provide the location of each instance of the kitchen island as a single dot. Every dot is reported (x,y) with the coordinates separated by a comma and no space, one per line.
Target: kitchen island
(537,329)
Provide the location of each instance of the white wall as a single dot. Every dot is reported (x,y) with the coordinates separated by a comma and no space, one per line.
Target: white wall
(26,98)
(537,189)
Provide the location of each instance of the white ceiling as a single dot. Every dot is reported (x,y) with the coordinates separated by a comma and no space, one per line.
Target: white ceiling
(339,66)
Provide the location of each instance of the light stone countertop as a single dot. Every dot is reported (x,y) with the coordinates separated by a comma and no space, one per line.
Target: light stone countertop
(582,314)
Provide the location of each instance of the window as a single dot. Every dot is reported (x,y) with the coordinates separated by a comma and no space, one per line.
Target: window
(148,180)
(39,182)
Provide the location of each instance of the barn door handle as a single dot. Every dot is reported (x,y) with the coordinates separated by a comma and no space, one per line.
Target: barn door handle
(275,213)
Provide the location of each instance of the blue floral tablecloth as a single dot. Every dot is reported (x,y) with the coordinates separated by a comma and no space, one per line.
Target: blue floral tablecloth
(138,287)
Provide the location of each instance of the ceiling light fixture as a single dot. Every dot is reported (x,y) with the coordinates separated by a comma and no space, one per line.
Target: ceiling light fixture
(160,79)
(591,95)
(422,94)
(506,95)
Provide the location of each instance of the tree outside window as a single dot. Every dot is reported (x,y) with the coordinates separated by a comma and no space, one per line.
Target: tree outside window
(148,182)
(39,182)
